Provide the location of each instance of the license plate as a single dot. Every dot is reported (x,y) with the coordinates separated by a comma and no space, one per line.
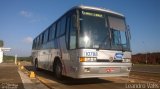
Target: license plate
(109,70)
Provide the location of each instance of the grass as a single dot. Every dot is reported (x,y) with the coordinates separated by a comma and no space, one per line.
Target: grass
(7,58)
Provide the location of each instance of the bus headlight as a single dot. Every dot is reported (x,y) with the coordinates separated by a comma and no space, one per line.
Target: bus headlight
(126,60)
(88,59)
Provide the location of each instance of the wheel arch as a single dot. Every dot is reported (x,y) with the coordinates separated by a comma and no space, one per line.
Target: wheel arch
(56,59)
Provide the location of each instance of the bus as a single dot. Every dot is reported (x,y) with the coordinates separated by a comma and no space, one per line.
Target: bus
(85,42)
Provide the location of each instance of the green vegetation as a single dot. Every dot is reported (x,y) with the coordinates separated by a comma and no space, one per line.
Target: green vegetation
(1,43)
(7,58)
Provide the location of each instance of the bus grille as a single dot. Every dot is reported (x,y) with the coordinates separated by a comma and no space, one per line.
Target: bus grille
(104,60)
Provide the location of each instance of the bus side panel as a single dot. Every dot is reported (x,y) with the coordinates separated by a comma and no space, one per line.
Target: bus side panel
(53,53)
(40,59)
(44,59)
(65,56)
(74,63)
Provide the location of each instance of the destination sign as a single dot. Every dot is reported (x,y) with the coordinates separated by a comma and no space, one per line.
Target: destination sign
(92,14)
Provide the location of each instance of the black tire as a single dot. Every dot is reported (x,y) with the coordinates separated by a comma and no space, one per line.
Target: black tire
(58,70)
(36,65)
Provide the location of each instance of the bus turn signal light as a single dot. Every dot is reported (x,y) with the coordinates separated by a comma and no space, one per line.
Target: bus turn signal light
(88,59)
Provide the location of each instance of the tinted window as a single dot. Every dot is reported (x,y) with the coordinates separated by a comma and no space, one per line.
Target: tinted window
(52,32)
(61,26)
(40,40)
(37,42)
(67,32)
(33,45)
(72,35)
(118,33)
(45,36)
(94,31)
(117,23)
(63,23)
(58,28)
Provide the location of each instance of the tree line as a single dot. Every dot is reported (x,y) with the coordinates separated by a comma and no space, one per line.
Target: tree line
(147,58)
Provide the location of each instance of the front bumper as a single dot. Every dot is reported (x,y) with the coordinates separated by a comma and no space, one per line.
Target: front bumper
(91,69)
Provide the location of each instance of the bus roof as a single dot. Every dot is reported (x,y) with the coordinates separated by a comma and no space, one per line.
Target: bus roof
(98,9)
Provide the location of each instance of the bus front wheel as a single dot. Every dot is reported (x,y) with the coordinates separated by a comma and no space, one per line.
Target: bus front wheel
(58,70)
(36,65)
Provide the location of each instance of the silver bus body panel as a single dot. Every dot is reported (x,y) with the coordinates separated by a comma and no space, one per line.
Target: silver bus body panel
(72,67)
(45,58)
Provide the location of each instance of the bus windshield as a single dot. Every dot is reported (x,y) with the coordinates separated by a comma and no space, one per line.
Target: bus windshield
(99,31)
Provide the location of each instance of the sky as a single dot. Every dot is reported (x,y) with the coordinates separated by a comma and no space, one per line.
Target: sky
(22,20)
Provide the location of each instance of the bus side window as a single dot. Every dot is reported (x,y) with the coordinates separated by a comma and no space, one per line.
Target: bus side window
(67,32)
(52,32)
(45,37)
(37,42)
(58,28)
(63,24)
(72,36)
(33,45)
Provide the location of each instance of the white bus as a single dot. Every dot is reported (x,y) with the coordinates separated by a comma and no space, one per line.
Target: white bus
(85,42)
